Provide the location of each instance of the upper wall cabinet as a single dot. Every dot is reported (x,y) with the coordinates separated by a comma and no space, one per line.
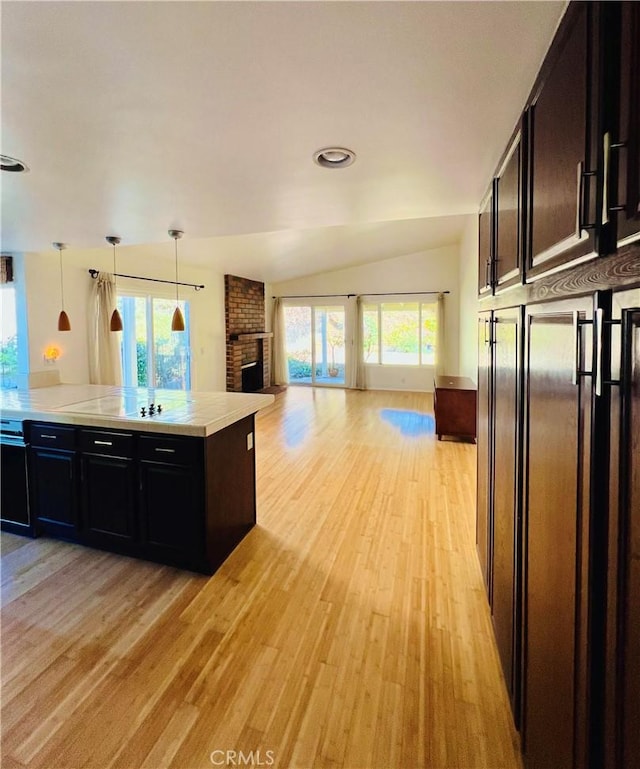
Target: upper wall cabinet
(508,197)
(561,138)
(621,139)
(486,245)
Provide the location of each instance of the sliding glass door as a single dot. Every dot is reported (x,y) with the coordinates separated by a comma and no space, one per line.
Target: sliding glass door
(152,354)
(315,341)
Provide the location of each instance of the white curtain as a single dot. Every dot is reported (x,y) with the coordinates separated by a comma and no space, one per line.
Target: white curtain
(104,345)
(357,378)
(440,336)
(279,368)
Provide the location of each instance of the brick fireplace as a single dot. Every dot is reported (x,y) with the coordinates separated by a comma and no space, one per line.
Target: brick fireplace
(248,344)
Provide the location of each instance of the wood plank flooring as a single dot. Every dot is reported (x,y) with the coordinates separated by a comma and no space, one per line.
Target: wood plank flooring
(348,630)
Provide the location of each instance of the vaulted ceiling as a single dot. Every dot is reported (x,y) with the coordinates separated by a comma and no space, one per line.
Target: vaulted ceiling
(134,117)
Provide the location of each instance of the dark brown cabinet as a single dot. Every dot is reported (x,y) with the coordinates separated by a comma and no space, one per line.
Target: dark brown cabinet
(172,527)
(484,441)
(621,141)
(558,526)
(508,204)
(486,245)
(499,482)
(454,406)
(108,489)
(506,488)
(54,480)
(622,678)
(184,501)
(557,453)
(561,139)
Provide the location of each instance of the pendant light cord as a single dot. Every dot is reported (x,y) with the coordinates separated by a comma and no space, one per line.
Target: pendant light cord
(115,279)
(61,280)
(176,250)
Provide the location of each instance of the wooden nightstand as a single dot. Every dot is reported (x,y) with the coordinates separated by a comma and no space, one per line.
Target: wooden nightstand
(454,403)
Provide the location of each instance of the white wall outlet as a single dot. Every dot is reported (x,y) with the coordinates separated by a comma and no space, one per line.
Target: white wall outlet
(249,441)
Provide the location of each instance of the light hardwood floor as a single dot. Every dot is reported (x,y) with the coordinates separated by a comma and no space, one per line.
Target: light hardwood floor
(349,629)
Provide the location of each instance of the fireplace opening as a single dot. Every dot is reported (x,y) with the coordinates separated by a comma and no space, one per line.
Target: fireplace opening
(252,377)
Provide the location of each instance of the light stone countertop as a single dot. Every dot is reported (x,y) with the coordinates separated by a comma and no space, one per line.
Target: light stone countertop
(183,412)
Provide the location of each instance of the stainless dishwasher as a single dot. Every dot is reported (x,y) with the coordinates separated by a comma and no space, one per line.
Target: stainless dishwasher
(15,515)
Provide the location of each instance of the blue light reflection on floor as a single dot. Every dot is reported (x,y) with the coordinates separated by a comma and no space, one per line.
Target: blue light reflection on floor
(411,423)
(295,430)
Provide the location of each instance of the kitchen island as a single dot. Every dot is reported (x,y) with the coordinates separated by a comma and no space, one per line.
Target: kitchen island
(158,474)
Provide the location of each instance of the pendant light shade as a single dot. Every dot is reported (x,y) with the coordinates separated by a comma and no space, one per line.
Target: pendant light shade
(177,321)
(64,324)
(115,324)
(63,319)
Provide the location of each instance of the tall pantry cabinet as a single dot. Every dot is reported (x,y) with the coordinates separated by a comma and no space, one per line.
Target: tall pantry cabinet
(557,457)
(558,526)
(623,604)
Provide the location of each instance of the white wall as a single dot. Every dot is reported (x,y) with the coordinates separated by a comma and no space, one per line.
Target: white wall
(42,281)
(435,270)
(469,300)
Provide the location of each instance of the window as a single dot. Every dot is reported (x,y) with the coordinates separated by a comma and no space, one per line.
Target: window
(152,354)
(399,333)
(9,337)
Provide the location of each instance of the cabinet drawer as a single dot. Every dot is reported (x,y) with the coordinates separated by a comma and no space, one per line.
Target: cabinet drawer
(111,444)
(181,451)
(53,436)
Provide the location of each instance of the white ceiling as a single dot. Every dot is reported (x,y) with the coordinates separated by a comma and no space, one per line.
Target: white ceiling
(134,117)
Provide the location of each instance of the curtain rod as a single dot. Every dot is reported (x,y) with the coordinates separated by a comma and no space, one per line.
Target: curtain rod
(386,293)
(94,274)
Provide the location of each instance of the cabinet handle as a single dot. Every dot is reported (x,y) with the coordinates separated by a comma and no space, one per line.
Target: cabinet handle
(599,324)
(580,224)
(167,451)
(577,372)
(103,443)
(50,437)
(576,348)
(578,212)
(606,147)
(487,275)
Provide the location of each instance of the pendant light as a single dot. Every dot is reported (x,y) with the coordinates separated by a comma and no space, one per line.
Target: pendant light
(63,318)
(177,321)
(116,321)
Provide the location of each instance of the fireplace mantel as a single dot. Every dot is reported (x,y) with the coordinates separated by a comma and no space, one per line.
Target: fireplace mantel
(247,337)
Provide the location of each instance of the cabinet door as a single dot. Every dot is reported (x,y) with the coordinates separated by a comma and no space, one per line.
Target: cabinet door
(508,206)
(54,492)
(484,453)
(171,513)
(506,530)
(626,146)
(108,496)
(556,542)
(485,245)
(561,193)
(623,616)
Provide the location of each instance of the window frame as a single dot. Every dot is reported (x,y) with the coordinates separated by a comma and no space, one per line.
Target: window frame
(368,304)
(128,357)
(18,284)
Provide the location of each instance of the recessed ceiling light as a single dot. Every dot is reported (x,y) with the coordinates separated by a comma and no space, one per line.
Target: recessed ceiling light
(334,157)
(11,164)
